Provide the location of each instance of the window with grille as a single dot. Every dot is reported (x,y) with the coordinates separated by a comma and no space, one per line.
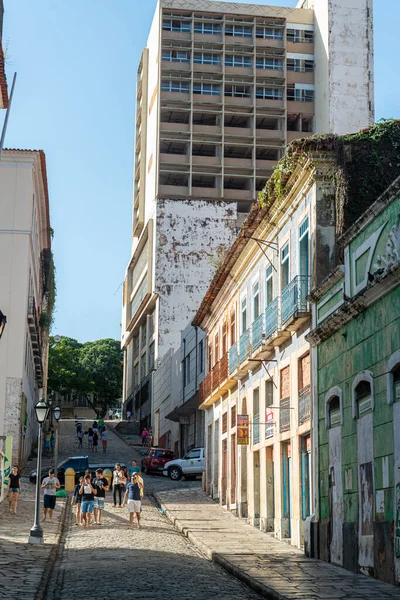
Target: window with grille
(224,338)
(244,315)
(225,422)
(216,348)
(269,292)
(256,300)
(363,396)
(300,65)
(334,411)
(233,416)
(233,327)
(300,94)
(284,266)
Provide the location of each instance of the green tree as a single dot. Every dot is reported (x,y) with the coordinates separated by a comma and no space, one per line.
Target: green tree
(94,369)
(103,359)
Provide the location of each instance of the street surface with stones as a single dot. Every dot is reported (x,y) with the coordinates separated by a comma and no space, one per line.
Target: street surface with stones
(111,561)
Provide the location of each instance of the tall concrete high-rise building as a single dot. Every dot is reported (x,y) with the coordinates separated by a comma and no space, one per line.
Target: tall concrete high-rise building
(222,88)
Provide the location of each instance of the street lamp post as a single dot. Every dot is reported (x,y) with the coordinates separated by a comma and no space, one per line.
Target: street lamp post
(57,416)
(50,401)
(36,533)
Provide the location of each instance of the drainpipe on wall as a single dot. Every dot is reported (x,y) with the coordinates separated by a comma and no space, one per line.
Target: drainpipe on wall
(196,384)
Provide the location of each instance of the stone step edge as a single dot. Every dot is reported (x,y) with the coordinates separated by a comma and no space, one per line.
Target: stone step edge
(263,590)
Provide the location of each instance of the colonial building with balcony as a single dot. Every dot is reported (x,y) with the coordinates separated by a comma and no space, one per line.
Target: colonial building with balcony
(222,88)
(257,314)
(26,294)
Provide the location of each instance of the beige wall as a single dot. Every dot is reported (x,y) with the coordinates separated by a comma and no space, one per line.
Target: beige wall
(24,233)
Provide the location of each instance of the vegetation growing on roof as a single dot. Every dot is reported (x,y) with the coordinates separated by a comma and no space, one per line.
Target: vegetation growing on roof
(366,163)
(49,290)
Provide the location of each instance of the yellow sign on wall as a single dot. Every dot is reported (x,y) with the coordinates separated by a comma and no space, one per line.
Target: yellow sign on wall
(243,430)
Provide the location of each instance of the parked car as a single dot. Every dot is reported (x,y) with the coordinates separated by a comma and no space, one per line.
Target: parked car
(79,463)
(155,459)
(190,466)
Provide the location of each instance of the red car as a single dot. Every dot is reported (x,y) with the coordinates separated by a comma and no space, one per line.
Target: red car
(155,459)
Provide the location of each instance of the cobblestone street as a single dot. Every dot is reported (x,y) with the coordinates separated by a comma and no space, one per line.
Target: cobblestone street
(110,561)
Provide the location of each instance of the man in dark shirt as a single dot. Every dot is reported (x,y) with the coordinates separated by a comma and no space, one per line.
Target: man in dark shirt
(134,503)
(100,484)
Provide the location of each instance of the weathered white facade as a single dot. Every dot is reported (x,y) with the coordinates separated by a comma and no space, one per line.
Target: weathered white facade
(25,247)
(222,88)
(167,380)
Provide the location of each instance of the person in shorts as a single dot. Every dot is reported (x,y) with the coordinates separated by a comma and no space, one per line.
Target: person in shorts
(87,505)
(77,499)
(134,504)
(50,485)
(100,484)
(14,488)
(104,439)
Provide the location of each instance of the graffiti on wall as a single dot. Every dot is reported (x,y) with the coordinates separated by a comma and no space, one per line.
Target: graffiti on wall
(367,499)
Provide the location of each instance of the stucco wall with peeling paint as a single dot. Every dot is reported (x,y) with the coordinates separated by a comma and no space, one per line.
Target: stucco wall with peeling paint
(191,236)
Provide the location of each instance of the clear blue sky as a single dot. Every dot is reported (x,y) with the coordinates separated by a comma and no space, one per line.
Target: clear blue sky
(76,64)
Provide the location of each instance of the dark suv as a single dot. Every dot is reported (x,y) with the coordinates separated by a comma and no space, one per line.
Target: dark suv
(155,459)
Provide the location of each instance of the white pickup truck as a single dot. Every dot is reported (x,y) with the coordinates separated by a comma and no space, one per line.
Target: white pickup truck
(188,467)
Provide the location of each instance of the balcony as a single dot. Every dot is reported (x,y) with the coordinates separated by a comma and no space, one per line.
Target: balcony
(304,405)
(266,333)
(295,107)
(300,76)
(295,308)
(295,135)
(244,345)
(233,358)
(36,338)
(216,382)
(284,416)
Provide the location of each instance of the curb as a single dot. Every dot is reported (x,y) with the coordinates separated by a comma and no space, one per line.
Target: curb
(263,590)
(41,593)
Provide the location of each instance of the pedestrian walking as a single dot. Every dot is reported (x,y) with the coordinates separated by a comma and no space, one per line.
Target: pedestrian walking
(90,438)
(118,484)
(78,426)
(50,485)
(14,489)
(104,439)
(77,499)
(80,439)
(100,484)
(110,413)
(134,503)
(150,437)
(145,435)
(87,506)
(128,415)
(47,442)
(52,439)
(101,425)
(133,469)
(95,441)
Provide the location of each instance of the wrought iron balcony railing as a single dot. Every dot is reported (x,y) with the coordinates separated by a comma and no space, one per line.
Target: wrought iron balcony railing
(294,297)
(271,317)
(284,416)
(244,345)
(233,358)
(258,332)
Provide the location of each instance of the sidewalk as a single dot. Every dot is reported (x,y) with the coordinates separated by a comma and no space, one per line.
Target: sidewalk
(270,567)
(26,564)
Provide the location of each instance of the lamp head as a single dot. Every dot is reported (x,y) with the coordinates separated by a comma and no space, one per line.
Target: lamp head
(41,410)
(57,413)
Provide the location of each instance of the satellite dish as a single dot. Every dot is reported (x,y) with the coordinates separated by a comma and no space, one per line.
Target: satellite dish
(57,339)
